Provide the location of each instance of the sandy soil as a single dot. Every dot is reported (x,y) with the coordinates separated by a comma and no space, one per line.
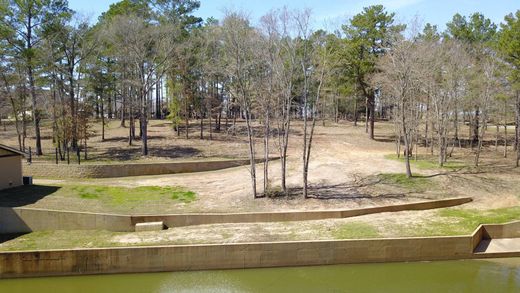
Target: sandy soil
(343,174)
(342,159)
(343,171)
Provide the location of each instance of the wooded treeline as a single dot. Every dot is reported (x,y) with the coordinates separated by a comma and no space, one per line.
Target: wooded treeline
(147,59)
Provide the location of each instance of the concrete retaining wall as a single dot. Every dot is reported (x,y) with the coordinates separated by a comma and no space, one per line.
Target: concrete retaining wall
(246,255)
(230,256)
(476,237)
(201,219)
(124,170)
(496,231)
(23,220)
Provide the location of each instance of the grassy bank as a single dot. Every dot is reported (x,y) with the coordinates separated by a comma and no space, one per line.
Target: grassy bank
(446,222)
(99,197)
(425,162)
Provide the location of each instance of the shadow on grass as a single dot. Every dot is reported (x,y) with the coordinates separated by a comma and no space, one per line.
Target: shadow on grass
(10,236)
(25,195)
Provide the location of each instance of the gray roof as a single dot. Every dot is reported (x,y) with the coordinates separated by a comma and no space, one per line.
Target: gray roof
(13,150)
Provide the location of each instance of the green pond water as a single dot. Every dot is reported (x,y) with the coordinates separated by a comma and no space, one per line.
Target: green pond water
(451,276)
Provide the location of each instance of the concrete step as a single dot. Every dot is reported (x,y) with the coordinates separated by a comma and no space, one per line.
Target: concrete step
(149,226)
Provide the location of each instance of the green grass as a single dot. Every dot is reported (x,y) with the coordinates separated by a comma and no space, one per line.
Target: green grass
(417,183)
(355,230)
(453,222)
(124,195)
(98,198)
(446,222)
(42,240)
(184,196)
(429,162)
(472,218)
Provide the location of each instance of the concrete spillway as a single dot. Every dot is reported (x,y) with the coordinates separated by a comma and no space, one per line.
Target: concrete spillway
(498,245)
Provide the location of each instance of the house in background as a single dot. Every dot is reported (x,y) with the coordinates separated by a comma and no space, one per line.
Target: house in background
(10,167)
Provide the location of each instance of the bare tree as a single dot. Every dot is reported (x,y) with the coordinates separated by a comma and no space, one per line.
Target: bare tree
(449,85)
(285,66)
(240,39)
(146,50)
(399,79)
(486,86)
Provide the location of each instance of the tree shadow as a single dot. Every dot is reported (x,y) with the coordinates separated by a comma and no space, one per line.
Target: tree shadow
(342,191)
(259,130)
(25,195)
(386,139)
(438,174)
(116,139)
(174,152)
(120,154)
(160,125)
(156,137)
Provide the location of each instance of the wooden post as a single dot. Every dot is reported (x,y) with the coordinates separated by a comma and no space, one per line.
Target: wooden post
(78,155)
(68,156)
(56,152)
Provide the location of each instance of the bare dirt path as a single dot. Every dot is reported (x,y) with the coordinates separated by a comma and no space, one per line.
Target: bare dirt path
(341,155)
(343,174)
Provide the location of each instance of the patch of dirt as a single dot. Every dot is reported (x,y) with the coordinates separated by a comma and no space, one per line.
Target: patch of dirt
(342,159)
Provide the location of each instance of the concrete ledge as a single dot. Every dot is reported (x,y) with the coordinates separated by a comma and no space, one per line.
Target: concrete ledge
(238,256)
(230,256)
(124,170)
(24,220)
(150,226)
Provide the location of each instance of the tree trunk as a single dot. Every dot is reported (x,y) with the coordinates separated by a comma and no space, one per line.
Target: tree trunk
(480,139)
(406,142)
(372,115)
(477,125)
(210,125)
(266,151)
(517,128)
(85,151)
(97,110)
(144,135)
(30,73)
(497,137)
(72,103)
(201,125)
(109,104)
(505,140)
(131,128)
(103,120)
(286,124)
(367,113)
(252,160)
(35,112)
(158,99)
(307,145)
(123,106)
(143,123)
(355,111)
(186,117)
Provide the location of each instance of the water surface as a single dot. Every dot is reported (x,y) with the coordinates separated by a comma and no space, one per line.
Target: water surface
(450,276)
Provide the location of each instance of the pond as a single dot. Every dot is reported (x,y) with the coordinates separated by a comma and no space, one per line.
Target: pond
(494,275)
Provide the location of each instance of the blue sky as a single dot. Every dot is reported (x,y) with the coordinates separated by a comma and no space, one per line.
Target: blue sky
(335,12)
